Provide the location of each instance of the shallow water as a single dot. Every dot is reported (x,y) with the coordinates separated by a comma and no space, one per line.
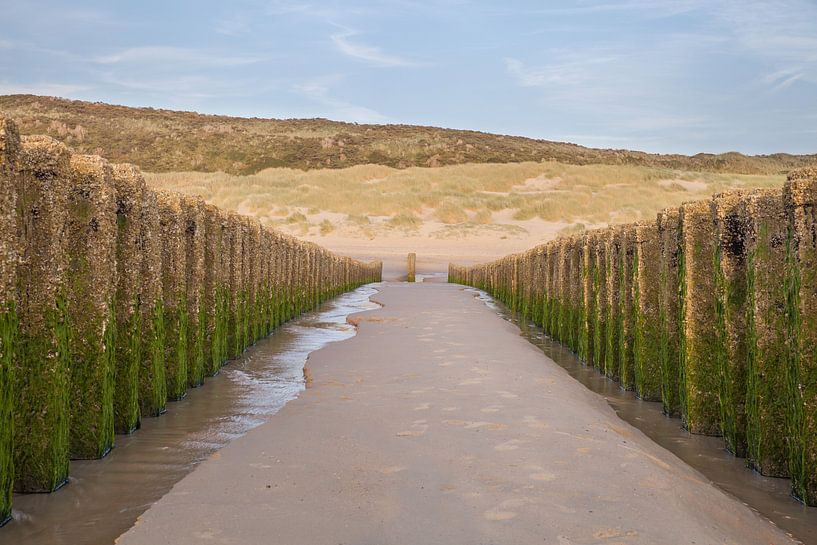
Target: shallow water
(104,497)
(769,496)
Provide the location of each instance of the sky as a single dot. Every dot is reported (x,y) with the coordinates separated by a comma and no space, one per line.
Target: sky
(680,76)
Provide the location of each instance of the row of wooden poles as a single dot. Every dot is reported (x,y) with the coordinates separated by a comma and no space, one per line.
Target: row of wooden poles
(710,309)
(117,298)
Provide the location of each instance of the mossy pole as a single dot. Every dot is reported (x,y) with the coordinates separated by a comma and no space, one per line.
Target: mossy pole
(214,290)
(731,226)
(766,333)
(626,308)
(9,157)
(612,321)
(547,288)
(668,311)
(600,301)
(91,288)
(195,234)
(41,373)
(646,303)
(700,406)
(174,293)
(129,185)
(588,299)
(234,245)
(800,199)
(152,383)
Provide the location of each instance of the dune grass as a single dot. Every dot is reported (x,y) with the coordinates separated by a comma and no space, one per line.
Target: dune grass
(457,195)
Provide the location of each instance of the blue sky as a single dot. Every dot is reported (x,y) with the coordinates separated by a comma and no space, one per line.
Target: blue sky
(664,76)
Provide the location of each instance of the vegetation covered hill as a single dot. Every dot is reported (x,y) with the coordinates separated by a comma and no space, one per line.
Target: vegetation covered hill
(166,141)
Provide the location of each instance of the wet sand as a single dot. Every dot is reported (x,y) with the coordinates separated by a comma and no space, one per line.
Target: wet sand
(439,423)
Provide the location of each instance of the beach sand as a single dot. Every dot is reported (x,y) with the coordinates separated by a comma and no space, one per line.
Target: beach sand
(438,423)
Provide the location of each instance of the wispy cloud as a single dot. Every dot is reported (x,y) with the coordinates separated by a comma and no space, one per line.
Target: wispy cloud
(48,89)
(164,55)
(318,90)
(371,54)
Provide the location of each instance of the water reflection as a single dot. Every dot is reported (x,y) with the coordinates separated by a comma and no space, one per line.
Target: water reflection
(104,497)
(769,496)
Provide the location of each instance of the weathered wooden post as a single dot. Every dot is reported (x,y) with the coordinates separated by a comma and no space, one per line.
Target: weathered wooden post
(412,267)
(129,186)
(91,288)
(194,250)
(9,158)
(600,300)
(731,227)
(626,364)
(174,293)
(668,222)
(646,302)
(41,372)
(152,382)
(767,333)
(612,321)
(800,199)
(699,337)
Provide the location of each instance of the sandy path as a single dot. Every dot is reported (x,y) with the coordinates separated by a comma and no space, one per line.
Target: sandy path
(439,424)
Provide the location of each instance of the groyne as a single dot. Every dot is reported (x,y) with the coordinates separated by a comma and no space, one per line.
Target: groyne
(710,309)
(116,299)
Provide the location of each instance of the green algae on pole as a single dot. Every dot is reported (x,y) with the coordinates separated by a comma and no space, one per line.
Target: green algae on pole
(646,321)
(625,334)
(174,293)
(731,225)
(130,187)
(766,332)
(152,383)
(41,373)
(194,240)
(800,199)
(9,155)
(700,407)
(600,301)
(215,292)
(612,320)
(668,311)
(92,231)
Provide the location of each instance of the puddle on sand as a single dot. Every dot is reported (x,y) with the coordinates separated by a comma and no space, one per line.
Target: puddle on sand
(768,496)
(104,497)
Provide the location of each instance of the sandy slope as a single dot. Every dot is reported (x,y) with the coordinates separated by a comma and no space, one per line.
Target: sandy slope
(438,424)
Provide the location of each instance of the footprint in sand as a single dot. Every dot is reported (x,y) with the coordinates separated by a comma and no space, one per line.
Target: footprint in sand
(506,395)
(491,409)
(446,364)
(418,428)
(498,515)
(513,444)
(470,381)
(543,476)
(392,470)
(423,407)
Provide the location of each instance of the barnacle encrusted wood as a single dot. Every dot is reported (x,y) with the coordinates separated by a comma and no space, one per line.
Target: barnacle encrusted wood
(626,273)
(40,370)
(766,333)
(612,321)
(668,222)
(214,290)
(601,302)
(194,241)
(9,157)
(91,286)
(130,186)
(800,199)
(152,382)
(174,292)
(647,323)
(731,225)
(699,342)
